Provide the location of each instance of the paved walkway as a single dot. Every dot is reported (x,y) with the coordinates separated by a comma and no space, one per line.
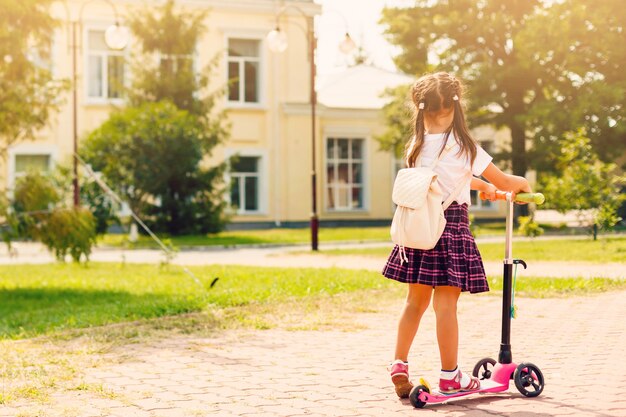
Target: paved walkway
(578,343)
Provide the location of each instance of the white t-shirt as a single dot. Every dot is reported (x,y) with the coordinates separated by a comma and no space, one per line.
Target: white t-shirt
(453,167)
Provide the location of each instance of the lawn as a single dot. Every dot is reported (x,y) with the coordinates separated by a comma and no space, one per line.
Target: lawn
(255,237)
(608,249)
(36,300)
(281,236)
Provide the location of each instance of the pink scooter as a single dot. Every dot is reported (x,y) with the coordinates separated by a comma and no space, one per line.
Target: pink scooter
(496,376)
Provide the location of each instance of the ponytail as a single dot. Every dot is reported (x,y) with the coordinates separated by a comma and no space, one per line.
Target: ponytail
(461,132)
(414,146)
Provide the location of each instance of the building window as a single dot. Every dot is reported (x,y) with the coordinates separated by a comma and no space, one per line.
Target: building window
(245,184)
(105,68)
(244,70)
(26,163)
(344,173)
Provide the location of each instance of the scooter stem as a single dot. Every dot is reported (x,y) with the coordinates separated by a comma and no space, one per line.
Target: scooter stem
(505,355)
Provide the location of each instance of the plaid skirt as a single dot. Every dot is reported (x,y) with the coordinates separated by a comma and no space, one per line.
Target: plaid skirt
(454,261)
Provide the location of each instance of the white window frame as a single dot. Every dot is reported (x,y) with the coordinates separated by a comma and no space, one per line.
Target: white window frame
(101,27)
(263,184)
(28,149)
(341,134)
(246,35)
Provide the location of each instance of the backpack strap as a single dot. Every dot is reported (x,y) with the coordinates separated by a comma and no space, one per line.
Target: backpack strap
(441,155)
(455,193)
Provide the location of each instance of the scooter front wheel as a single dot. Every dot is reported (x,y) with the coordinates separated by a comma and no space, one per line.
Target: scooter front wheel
(415,394)
(528,379)
(484,368)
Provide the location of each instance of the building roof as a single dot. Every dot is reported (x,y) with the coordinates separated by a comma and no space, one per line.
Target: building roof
(358,87)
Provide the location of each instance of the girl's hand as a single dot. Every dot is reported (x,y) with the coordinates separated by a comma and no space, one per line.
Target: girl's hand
(521,186)
(489,191)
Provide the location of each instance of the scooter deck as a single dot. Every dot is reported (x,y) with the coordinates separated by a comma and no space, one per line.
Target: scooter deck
(435,396)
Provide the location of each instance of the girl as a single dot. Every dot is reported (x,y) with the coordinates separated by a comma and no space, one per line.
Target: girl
(454,264)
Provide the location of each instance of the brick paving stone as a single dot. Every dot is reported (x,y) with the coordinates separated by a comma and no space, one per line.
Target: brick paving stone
(278,373)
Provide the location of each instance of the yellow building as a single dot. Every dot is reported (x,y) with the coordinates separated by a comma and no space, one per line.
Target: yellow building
(269,108)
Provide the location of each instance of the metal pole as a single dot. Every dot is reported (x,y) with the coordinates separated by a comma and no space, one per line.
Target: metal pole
(76,186)
(505,355)
(313,99)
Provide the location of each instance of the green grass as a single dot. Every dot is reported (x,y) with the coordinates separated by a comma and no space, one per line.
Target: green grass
(255,237)
(610,249)
(37,300)
(282,236)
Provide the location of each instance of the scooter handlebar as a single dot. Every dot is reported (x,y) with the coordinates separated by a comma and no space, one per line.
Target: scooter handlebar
(536,198)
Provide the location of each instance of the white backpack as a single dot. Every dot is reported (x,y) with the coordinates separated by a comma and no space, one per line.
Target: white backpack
(419,220)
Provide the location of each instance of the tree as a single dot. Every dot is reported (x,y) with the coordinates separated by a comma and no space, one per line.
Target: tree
(28,92)
(154,152)
(585,183)
(166,69)
(582,46)
(517,57)
(152,155)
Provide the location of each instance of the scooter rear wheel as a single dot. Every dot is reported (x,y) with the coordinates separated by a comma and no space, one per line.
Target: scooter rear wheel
(414,396)
(484,368)
(528,379)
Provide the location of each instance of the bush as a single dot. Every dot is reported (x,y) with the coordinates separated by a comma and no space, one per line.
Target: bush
(100,205)
(528,226)
(585,183)
(69,231)
(34,195)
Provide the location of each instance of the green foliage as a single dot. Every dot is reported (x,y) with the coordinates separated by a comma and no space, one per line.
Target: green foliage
(528,226)
(583,46)
(585,183)
(100,204)
(69,231)
(152,155)
(37,212)
(35,192)
(29,92)
(166,69)
(154,152)
(538,68)
(34,196)
(397,113)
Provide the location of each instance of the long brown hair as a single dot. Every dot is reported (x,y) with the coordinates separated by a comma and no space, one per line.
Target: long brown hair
(435,93)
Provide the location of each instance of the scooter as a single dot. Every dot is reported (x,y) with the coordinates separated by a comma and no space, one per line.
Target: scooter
(496,376)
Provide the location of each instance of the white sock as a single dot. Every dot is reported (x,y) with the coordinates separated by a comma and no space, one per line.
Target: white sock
(465,380)
(449,374)
(399,361)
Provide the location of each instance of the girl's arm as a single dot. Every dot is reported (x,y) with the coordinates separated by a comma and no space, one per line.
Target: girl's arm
(506,182)
(485,187)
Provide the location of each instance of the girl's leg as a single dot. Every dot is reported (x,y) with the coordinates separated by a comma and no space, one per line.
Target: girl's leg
(444,303)
(417,302)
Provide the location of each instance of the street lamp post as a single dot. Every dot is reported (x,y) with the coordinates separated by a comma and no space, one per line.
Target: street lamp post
(277,42)
(116,38)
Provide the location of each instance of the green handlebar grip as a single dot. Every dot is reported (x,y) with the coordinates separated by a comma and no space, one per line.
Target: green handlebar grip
(536,198)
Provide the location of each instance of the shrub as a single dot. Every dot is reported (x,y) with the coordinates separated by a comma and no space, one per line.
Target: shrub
(69,231)
(34,195)
(528,226)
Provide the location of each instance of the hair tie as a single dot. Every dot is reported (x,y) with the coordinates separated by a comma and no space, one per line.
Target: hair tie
(421,105)
(455,98)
